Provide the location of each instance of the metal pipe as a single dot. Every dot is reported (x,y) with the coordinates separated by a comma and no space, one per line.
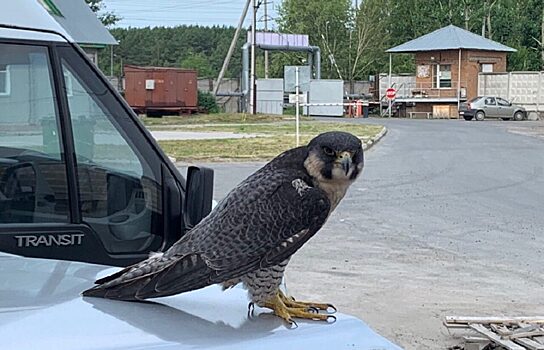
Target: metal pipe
(317,61)
(245,75)
(315,50)
(246,83)
(230,94)
(459,85)
(310,59)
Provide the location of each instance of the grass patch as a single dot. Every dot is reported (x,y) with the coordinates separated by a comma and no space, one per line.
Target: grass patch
(219,118)
(281,137)
(284,128)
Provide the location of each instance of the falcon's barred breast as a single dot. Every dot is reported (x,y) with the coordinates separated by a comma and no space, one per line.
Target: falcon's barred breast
(251,234)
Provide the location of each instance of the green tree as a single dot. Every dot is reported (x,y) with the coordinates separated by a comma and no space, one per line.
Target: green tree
(107,18)
(200,62)
(327,23)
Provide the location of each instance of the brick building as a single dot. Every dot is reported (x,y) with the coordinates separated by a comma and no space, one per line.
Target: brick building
(448,61)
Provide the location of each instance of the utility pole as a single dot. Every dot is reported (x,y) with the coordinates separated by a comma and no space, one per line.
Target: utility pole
(253,83)
(266,30)
(231,48)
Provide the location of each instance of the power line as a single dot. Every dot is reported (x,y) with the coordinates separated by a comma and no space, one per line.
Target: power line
(170,12)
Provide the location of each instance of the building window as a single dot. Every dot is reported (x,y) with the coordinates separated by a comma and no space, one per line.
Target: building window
(441,76)
(486,67)
(5,82)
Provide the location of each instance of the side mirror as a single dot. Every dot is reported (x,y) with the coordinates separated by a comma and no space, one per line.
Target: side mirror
(199,195)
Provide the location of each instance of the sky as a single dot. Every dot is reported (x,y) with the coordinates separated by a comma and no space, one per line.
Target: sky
(169,13)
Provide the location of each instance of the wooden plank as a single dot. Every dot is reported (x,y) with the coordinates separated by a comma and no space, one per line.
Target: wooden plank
(524,334)
(539,339)
(500,329)
(456,325)
(530,344)
(471,339)
(488,320)
(510,345)
(525,328)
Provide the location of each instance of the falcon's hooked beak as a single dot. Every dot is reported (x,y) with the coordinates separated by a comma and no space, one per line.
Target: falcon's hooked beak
(344,158)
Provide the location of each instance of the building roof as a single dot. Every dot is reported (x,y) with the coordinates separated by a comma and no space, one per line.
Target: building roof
(450,38)
(76,18)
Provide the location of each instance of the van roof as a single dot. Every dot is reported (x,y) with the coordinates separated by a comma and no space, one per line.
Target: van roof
(29,19)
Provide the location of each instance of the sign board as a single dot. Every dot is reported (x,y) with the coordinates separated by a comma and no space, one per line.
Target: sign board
(150,84)
(390,93)
(301,98)
(279,39)
(289,78)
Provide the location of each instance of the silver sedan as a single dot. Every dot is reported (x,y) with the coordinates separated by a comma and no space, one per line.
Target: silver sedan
(482,107)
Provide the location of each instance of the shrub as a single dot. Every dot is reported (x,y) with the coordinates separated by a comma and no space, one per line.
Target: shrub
(206,102)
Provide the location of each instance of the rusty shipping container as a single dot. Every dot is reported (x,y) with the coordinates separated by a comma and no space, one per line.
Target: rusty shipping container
(161,90)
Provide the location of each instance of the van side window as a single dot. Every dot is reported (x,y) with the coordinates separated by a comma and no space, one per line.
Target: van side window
(33,185)
(119,192)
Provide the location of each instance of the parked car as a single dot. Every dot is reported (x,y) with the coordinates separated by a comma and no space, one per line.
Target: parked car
(482,107)
(83,188)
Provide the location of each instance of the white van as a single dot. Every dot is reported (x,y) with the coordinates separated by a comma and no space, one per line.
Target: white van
(84,187)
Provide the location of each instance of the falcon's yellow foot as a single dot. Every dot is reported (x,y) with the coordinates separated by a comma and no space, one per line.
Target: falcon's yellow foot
(291,302)
(288,312)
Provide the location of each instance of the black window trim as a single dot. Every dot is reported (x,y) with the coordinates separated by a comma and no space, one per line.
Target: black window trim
(67,136)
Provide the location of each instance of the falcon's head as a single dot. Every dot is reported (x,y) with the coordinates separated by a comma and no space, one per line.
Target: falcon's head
(335,156)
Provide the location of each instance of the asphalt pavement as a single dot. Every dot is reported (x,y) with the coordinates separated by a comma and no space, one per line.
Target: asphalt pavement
(447,219)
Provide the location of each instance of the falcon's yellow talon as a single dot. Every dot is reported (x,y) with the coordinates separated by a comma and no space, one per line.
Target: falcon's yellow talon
(287,309)
(310,306)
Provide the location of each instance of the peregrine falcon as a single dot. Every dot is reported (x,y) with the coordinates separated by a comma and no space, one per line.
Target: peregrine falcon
(251,234)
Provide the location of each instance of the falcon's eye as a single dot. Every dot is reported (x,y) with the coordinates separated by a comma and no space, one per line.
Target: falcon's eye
(328,151)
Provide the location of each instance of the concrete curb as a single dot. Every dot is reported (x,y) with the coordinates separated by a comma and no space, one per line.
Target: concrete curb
(368,144)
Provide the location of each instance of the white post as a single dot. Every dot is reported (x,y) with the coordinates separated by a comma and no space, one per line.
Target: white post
(297,116)
(539,92)
(389,83)
(459,85)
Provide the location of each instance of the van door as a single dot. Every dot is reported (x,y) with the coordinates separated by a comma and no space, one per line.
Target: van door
(33,176)
(37,214)
(79,178)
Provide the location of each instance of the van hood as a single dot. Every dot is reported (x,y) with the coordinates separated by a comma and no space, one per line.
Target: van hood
(41,307)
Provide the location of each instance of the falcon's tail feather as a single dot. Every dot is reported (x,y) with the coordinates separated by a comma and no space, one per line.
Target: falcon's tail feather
(153,278)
